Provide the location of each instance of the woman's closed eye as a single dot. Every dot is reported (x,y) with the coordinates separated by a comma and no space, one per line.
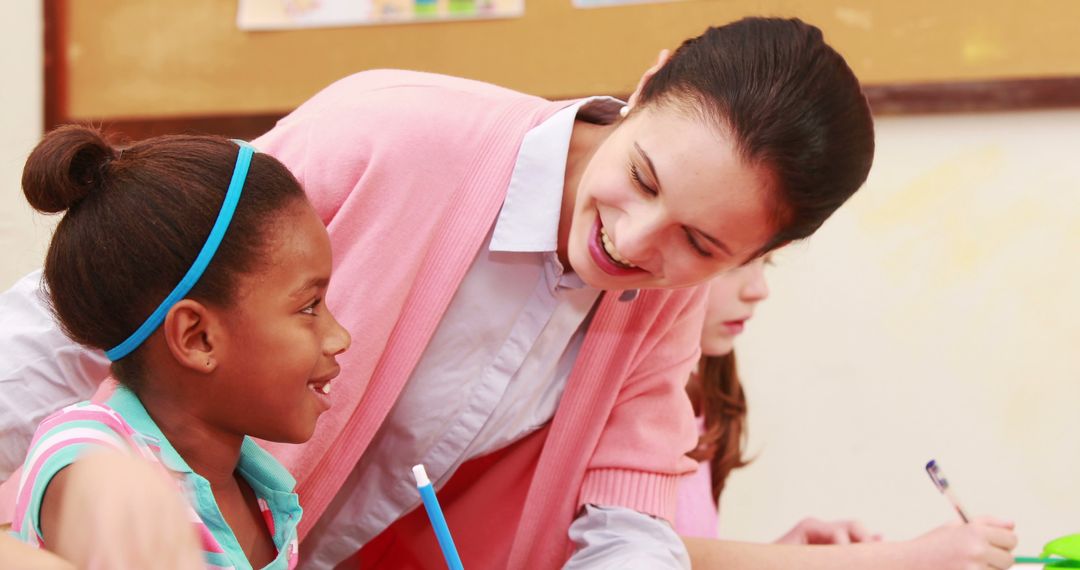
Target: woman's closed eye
(694,243)
(635,175)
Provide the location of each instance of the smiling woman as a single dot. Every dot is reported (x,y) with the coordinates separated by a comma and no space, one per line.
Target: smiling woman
(666,201)
(493,245)
(727,158)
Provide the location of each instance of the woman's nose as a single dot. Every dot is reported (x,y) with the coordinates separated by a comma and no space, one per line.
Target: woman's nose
(638,235)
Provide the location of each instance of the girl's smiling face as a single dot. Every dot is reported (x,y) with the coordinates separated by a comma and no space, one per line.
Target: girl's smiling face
(666,201)
(279,360)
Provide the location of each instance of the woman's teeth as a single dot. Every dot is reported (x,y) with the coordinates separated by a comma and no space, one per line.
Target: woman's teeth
(609,247)
(324,389)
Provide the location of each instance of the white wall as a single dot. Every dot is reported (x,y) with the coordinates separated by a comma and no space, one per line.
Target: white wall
(23,236)
(937,315)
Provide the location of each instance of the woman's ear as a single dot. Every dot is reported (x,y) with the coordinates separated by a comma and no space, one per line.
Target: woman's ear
(192,331)
(645,77)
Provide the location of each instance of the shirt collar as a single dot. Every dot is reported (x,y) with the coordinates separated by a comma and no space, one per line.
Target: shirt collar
(254,461)
(529,219)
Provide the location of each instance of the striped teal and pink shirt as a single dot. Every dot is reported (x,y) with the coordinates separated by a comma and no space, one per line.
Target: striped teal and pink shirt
(122,423)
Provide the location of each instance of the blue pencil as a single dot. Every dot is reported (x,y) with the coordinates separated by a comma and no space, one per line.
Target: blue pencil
(438,521)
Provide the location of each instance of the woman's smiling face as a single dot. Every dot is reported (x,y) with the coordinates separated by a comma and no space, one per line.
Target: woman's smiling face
(666,201)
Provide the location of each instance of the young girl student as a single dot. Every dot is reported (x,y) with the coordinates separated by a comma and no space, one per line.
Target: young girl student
(524,274)
(720,404)
(200,268)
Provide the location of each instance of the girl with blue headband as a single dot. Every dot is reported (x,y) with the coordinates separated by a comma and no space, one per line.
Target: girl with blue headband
(199,266)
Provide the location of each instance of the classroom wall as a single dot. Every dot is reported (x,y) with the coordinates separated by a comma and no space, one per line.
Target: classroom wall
(934,316)
(23,236)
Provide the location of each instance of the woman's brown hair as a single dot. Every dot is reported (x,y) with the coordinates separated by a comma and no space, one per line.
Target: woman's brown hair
(791,103)
(717,394)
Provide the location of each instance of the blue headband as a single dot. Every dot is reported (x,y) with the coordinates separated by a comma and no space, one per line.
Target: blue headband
(232,196)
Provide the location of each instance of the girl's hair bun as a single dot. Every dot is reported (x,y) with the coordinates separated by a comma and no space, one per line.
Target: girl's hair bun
(65,167)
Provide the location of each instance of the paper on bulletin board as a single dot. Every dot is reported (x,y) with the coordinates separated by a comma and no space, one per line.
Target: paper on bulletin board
(601,3)
(295,14)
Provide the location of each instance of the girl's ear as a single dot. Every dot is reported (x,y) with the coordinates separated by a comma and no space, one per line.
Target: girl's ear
(645,77)
(192,331)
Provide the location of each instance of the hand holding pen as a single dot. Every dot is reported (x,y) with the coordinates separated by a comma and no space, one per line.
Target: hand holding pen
(985,542)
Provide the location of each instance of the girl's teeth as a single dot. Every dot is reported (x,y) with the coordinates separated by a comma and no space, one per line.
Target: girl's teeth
(609,247)
(326,388)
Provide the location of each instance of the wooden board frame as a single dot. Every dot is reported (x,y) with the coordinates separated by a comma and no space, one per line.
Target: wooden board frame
(989,95)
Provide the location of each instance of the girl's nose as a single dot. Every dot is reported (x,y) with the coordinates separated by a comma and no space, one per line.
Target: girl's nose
(338,340)
(755,288)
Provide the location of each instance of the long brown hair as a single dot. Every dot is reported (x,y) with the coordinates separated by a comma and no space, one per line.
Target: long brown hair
(718,395)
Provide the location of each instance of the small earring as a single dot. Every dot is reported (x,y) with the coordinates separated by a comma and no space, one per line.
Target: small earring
(624,111)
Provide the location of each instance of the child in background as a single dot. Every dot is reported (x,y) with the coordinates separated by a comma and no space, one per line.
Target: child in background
(214,340)
(718,398)
(720,404)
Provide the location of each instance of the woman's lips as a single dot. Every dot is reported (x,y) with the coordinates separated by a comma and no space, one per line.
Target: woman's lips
(602,259)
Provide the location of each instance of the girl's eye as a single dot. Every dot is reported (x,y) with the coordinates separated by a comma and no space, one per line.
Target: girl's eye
(636,177)
(694,243)
(310,309)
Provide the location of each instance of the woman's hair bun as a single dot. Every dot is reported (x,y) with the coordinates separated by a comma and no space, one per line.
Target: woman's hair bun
(65,167)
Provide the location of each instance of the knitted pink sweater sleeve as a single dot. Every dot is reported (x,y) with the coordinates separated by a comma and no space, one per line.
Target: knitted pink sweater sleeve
(641,455)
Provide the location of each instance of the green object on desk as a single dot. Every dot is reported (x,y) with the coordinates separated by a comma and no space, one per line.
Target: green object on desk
(1065,547)
(1061,552)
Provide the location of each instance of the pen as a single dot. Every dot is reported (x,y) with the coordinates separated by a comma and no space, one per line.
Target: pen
(1056,561)
(938,477)
(438,521)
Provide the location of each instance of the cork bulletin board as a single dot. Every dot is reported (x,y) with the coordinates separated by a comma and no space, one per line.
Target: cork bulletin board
(186,59)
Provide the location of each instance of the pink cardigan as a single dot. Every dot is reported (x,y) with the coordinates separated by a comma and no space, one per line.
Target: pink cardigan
(409,171)
(697,514)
